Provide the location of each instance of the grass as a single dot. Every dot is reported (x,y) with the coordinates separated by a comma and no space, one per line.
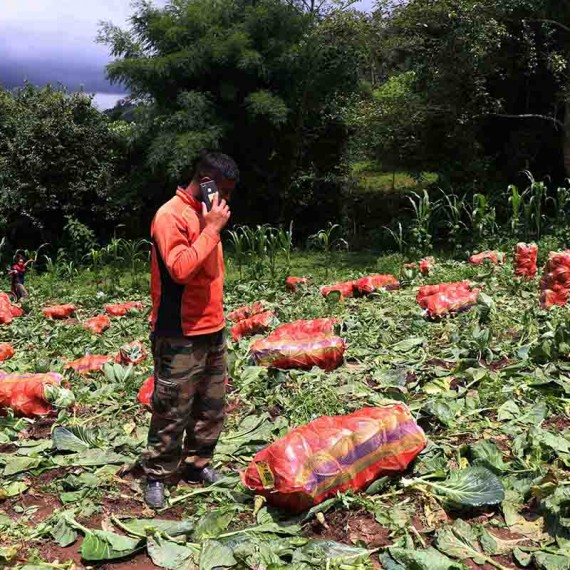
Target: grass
(489,386)
(370,177)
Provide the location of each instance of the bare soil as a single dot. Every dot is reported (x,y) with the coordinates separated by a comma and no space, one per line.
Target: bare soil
(350,527)
(556,423)
(40,429)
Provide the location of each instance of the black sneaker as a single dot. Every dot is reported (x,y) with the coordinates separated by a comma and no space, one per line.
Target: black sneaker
(206,475)
(154,494)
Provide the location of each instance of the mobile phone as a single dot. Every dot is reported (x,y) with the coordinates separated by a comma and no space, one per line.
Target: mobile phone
(208,190)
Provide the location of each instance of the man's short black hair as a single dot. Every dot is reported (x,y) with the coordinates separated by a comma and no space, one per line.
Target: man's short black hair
(217,166)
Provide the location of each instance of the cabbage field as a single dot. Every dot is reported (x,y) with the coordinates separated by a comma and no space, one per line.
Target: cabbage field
(490,386)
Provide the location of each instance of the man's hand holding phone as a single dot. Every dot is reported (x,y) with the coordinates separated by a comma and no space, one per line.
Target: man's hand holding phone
(218,216)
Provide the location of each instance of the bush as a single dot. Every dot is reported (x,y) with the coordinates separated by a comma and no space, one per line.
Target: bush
(59,158)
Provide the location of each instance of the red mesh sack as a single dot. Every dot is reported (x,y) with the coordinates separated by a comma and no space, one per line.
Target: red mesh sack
(8,311)
(442,304)
(427,290)
(426,265)
(304,329)
(258,324)
(447,298)
(6,351)
(246,312)
(89,363)
(131,353)
(492,256)
(16,311)
(145,393)
(367,285)
(6,316)
(122,309)
(555,282)
(345,289)
(334,454)
(59,311)
(25,394)
(525,260)
(97,325)
(323,351)
(293,283)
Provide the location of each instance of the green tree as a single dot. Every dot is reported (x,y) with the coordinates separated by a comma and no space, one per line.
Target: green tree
(59,158)
(260,79)
(486,90)
(390,116)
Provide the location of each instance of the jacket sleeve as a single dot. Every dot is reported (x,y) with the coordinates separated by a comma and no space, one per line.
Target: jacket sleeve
(181,257)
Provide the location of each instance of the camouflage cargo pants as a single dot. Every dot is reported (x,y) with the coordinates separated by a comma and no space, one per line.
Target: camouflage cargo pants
(188,403)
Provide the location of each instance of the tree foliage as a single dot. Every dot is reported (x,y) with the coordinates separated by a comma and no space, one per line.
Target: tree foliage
(258,79)
(473,90)
(59,157)
(474,87)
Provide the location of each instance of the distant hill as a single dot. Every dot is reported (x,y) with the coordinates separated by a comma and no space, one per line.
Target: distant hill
(124,110)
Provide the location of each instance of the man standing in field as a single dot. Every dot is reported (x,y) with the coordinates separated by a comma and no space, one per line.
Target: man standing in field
(189,349)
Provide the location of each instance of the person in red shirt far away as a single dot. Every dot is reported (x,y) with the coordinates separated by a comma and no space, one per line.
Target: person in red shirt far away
(18,276)
(188,340)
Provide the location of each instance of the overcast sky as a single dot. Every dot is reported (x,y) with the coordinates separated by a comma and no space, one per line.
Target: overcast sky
(51,41)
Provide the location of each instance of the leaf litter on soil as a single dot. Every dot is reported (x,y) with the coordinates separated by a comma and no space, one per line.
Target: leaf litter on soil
(491,388)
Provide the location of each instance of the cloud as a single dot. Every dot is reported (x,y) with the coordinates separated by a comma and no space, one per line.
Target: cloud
(53,41)
(74,74)
(105,100)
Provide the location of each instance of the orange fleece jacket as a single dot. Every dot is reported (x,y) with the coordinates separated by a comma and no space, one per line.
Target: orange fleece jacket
(187,270)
